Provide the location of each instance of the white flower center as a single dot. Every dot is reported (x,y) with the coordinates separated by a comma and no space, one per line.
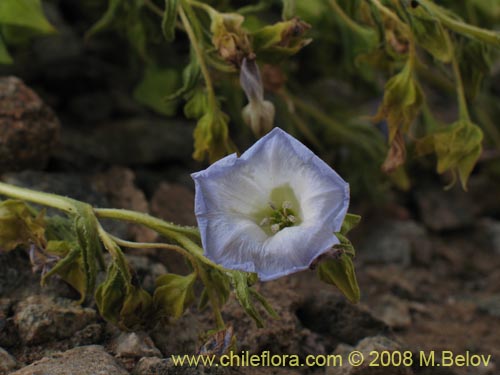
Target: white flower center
(282,211)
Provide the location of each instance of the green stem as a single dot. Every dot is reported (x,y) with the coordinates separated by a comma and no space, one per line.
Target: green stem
(347,20)
(213,298)
(45,199)
(153,7)
(212,101)
(145,219)
(393,16)
(487,36)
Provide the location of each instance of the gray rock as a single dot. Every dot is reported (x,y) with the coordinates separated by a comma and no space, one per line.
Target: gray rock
(491,232)
(85,360)
(396,242)
(43,318)
(393,311)
(28,128)
(157,366)
(7,362)
(490,305)
(332,316)
(133,142)
(147,270)
(365,346)
(135,344)
(445,210)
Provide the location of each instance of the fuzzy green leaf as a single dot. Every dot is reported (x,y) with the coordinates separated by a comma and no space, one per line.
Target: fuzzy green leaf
(197,105)
(26,13)
(111,294)
(190,77)
(169,19)
(284,39)
(211,136)
(85,227)
(403,99)
(243,294)
(430,34)
(475,64)
(173,294)
(340,272)
(18,226)
(137,309)
(457,148)
(70,267)
(153,87)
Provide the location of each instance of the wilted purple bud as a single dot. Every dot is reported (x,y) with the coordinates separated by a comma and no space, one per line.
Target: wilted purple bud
(259,113)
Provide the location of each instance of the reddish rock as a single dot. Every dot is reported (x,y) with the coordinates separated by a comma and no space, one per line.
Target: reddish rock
(28,128)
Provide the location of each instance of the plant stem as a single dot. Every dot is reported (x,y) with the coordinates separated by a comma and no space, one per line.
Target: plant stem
(212,101)
(153,7)
(46,199)
(393,16)
(347,20)
(487,36)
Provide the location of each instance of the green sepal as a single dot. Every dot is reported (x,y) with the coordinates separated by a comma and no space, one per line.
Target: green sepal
(239,281)
(169,19)
(25,13)
(107,18)
(173,294)
(219,283)
(340,272)
(350,221)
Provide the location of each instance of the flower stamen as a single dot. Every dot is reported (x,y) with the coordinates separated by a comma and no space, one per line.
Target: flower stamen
(279,218)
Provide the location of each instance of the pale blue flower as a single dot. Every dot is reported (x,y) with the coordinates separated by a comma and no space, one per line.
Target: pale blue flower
(271,211)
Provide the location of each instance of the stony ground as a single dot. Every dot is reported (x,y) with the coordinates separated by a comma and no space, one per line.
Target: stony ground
(429,282)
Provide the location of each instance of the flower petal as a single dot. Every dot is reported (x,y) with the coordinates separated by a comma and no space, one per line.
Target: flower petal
(230,191)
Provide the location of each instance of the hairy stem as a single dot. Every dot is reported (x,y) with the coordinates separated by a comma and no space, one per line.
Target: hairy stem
(195,43)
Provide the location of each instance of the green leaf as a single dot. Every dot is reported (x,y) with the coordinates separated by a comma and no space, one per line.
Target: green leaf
(190,77)
(475,64)
(137,309)
(173,294)
(26,13)
(18,226)
(430,34)
(70,267)
(111,294)
(243,294)
(211,136)
(350,222)
(86,229)
(169,19)
(219,284)
(197,105)
(403,99)
(5,57)
(283,39)
(155,84)
(340,272)
(457,148)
